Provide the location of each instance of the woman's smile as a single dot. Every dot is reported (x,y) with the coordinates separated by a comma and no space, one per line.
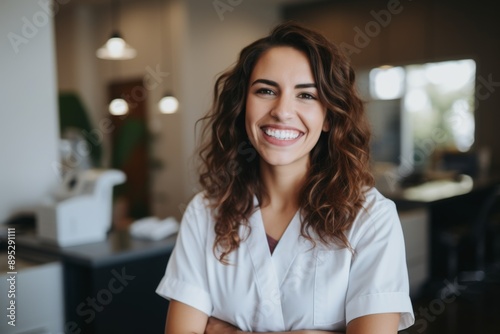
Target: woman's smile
(281,136)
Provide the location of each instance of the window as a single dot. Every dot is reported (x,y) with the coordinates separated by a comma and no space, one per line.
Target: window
(419,110)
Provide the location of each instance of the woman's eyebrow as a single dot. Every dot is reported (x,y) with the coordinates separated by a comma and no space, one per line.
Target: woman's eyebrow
(306,85)
(275,84)
(266,82)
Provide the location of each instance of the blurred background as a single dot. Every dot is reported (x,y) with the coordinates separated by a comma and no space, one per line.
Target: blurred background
(79,106)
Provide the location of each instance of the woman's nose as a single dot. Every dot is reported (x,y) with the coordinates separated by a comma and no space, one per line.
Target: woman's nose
(283,108)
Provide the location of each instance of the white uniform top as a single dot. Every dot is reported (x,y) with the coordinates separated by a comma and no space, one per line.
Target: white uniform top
(297,287)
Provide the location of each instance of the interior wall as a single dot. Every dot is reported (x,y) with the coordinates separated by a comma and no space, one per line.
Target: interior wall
(28,114)
(76,61)
(402,32)
(182,45)
(212,41)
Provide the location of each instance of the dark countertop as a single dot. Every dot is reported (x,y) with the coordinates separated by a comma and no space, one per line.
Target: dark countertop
(119,247)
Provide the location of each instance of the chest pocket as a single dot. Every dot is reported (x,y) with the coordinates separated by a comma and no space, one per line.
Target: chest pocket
(330,286)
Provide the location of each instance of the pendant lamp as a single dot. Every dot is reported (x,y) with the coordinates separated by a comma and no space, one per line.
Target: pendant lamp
(168,104)
(115,47)
(118,107)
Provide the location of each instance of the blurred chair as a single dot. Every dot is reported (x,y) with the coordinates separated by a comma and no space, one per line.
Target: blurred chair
(471,237)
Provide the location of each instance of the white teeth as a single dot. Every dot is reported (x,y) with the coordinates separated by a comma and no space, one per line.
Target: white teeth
(282,134)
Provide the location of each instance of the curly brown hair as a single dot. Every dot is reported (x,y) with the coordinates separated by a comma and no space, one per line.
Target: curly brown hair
(339,172)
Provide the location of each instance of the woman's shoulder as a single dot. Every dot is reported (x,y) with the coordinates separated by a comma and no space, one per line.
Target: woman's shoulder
(198,206)
(199,199)
(377,214)
(375,201)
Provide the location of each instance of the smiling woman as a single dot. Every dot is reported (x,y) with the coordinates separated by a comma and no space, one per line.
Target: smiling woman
(289,233)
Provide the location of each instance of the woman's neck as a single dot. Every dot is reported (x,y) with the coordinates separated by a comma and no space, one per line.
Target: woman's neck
(282,184)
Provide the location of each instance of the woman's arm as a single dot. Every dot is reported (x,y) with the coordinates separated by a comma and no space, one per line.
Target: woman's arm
(383,323)
(184,319)
(216,326)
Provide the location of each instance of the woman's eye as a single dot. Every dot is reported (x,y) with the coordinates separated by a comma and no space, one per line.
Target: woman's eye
(265,91)
(307,96)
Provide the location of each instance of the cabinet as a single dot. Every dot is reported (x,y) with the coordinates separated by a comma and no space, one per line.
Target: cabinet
(415,225)
(38,297)
(109,286)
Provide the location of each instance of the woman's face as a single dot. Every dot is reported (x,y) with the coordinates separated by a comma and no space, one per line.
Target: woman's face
(284,117)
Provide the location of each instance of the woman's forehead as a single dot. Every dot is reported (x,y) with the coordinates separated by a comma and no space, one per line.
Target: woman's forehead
(283,63)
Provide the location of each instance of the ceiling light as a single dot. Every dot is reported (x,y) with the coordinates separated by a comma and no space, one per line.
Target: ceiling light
(116,49)
(168,104)
(118,107)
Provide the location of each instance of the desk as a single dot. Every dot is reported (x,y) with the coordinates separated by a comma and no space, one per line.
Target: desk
(447,203)
(109,287)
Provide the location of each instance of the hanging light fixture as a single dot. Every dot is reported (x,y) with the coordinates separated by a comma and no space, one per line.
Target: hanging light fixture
(118,107)
(116,48)
(168,104)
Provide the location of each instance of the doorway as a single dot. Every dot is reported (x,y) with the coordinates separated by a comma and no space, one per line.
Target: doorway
(130,153)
